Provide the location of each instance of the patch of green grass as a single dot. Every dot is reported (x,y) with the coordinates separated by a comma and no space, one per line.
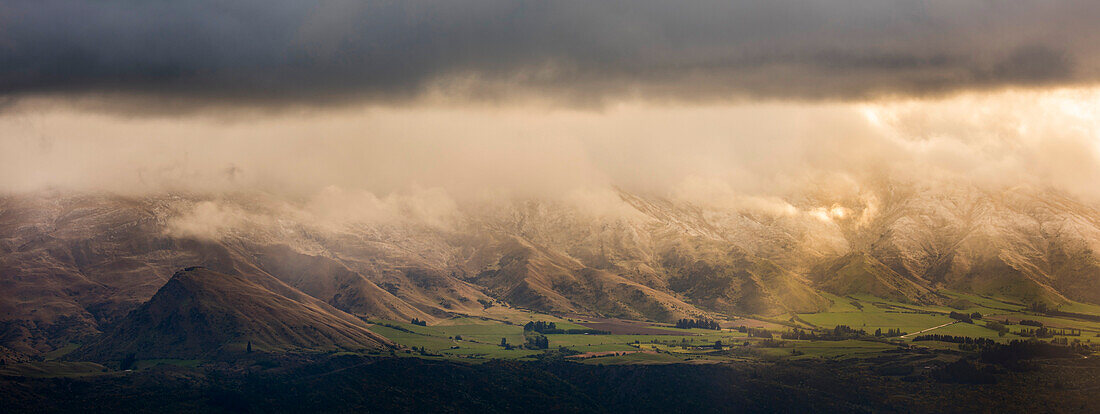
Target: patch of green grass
(53,369)
(595,340)
(881,305)
(983,304)
(635,358)
(877,319)
(481,334)
(585,343)
(1077,307)
(60,352)
(1051,321)
(479,340)
(851,348)
(485,351)
(430,341)
(974,330)
(842,304)
(522,316)
(149,363)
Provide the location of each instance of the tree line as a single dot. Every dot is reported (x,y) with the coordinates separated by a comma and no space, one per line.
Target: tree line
(955,339)
(552,328)
(1044,332)
(701,323)
(890,333)
(1017,350)
(755,332)
(838,333)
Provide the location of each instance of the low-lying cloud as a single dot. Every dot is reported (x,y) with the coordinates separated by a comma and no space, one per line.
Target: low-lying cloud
(176,55)
(775,158)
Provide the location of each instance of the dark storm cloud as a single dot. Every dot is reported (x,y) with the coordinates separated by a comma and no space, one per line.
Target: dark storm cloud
(273,52)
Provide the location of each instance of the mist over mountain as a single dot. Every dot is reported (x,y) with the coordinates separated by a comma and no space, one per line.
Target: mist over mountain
(641,212)
(78,264)
(549,206)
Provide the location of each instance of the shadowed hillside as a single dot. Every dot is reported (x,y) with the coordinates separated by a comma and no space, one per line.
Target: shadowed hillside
(80,263)
(200,311)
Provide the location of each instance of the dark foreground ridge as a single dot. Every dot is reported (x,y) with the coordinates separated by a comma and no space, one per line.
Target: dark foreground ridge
(370,384)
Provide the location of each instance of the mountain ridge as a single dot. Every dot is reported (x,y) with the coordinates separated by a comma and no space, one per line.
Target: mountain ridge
(80,262)
(199,312)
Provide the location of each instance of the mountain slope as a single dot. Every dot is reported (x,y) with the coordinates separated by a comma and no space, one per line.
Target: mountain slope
(75,263)
(201,312)
(859,273)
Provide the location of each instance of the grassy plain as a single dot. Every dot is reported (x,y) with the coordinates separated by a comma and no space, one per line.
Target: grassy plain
(480,335)
(52,369)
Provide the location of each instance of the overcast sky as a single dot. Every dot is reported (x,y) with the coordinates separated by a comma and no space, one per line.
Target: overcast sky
(264,52)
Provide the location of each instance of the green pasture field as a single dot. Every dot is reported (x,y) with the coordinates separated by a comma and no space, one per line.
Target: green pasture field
(635,358)
(985,305)
(1088,327)
(52,369)
(149,363)
(871,320)
(506,315)
(60,352)
(481,334)
(1076,307)
(851,348)
(841,304)
(975,330)
(478,340)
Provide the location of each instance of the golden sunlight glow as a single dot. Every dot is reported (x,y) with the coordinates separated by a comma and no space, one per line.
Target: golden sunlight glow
(1047,137)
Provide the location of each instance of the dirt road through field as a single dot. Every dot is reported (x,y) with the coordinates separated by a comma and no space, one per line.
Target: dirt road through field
(929,329)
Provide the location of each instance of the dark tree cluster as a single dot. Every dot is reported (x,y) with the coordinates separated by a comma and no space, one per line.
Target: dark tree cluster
(961,317)
(1029,322)
(540,326)
(800,335)
(997,326)
(552,328)
(771,343)
(965,371)
(846,331)
(890,333)
(838,333)
(419,322)
(537,341)
(1044,332)
(981,342)
(423,351)
(700,323)
(1017,350)
(754,332)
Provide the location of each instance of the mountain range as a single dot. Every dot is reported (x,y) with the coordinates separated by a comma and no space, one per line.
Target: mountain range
(106,270)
